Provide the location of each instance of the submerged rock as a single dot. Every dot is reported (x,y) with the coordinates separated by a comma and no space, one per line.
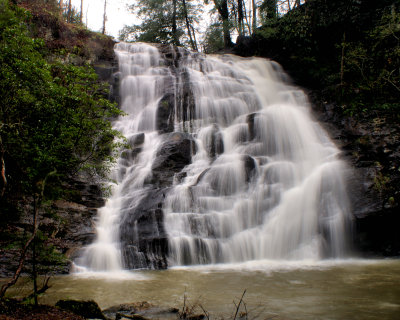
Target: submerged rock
(140,311)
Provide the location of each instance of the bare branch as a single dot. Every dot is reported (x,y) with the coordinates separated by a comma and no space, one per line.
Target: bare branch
(238,306)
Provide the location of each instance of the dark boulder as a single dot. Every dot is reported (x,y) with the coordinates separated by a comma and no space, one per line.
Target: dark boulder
(86,309)
(250,166)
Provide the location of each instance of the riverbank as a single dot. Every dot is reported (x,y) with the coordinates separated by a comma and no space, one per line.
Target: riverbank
(12,309)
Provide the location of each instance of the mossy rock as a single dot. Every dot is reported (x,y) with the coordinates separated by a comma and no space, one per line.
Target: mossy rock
(87,309)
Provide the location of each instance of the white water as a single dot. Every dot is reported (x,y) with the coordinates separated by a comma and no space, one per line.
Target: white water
(265,183)
(142,84)
(293,205)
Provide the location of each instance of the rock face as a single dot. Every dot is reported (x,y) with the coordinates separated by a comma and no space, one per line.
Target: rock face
(76,215)
(67,225)
(371,146)
(143,238)
(174,154)
(165,113)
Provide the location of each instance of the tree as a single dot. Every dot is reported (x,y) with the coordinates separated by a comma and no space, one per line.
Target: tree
(189,27)
(269,9)
(214,38)
(81,13)
(54,121)
(164,21)
(104,17)
(69,12)
(223,11)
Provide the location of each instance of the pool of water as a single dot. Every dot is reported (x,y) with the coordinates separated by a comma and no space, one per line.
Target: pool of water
(352,289)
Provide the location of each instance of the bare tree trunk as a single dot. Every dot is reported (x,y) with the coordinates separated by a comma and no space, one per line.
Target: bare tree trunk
(17,273)
(234,16)
(192,44)
(194,38)
(81,14)
(69,11)
(222,8)
(288,4)
(297,3)
(87,9)
(104,17)
(34,270)
(3,169)
(254,15)
(247,18)
(240,17)
(174,27)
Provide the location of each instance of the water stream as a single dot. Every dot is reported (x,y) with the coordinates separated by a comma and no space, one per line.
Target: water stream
(264,180)
(335,290)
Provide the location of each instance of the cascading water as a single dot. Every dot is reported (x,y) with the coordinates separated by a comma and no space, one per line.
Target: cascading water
(257,177)
(266,182)
(142,84)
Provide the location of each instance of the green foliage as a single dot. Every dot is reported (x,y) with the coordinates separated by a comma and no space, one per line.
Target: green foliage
(53,115)
(214,38)
(51,260)
(347,48)
(54,118)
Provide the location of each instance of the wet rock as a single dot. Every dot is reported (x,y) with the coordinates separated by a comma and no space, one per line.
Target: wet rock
(216,145)
(140,310)
(136,140)
(174,154)
(165,113)
(121,316)
(143,238)
(107,71)
(250,123)
(86,309)
(371,146)
(67,223)
(250,166)
(130,154)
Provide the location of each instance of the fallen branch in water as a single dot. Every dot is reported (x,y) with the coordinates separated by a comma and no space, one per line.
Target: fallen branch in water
(238,306)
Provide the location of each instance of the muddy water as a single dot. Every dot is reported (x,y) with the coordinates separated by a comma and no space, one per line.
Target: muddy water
(307,290)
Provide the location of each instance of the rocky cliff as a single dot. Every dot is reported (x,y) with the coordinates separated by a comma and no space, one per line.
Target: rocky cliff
(371,146)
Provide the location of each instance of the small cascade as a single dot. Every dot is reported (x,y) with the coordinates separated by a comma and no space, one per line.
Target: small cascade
(225,165)
(143,83)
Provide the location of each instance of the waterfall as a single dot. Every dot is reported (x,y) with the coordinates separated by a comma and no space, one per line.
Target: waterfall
(226,165)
